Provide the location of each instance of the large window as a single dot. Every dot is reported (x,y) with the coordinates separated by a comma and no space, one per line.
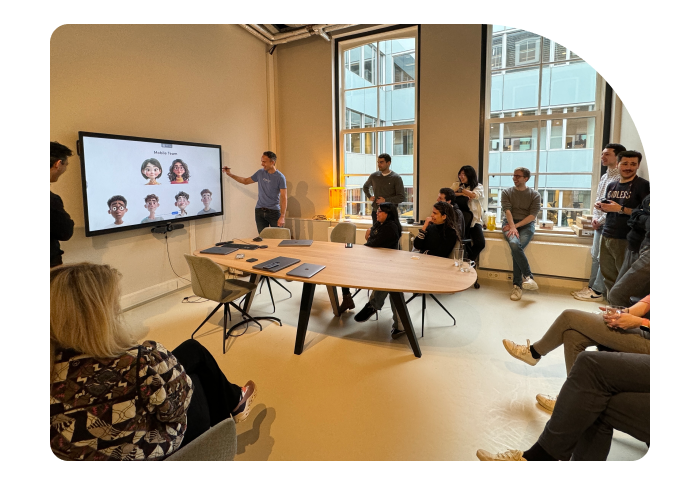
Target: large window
(545,115)
(378,81)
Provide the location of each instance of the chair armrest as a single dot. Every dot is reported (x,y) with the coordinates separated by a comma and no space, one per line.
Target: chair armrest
(216,444)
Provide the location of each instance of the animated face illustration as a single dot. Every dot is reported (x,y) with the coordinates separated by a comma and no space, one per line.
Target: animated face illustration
(179,173)
(182,200)
(151,170)
(151,203)
(117,208)
(206,198)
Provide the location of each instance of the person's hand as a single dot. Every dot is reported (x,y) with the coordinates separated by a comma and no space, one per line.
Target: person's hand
(513,232)
(367,234)
(379,200)
(371,198)
(226,170)
(505,228)
(428,220)
(595,224)
(613,207)
(280,222)
(622,321)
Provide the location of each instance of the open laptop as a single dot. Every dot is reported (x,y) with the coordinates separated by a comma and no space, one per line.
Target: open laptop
(306,270)
(276,264)
(295,243)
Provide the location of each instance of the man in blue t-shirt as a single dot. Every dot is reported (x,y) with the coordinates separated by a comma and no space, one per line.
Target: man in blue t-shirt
(272,192)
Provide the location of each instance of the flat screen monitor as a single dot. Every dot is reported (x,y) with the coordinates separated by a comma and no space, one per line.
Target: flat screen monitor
(134,182)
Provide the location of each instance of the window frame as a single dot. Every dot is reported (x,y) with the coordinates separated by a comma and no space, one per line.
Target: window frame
(597,113)
(380,126)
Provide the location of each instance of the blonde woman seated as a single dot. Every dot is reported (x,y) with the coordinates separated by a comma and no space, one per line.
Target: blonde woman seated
(115,399)
(577,330)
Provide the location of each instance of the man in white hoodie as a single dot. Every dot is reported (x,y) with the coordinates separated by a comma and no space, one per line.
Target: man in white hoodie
(593,292)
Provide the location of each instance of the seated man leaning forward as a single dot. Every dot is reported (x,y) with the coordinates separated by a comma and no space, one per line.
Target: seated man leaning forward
(520,205)
(385,233)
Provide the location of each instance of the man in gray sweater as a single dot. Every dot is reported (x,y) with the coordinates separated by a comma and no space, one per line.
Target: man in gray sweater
(520,205)
(387,186)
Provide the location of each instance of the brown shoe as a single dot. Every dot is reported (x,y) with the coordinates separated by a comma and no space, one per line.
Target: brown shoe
(242,411)
(347,304)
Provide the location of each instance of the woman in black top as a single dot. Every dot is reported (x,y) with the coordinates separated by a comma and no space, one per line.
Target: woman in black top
(439,233)
(385,233)
(469,199)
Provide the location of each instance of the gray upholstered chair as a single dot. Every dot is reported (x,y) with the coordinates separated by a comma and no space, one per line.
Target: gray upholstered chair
(209,282)
(344,233)
(216,444)
(458,245)
(275,234)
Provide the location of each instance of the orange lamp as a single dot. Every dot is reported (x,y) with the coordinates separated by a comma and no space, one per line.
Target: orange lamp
(336,198)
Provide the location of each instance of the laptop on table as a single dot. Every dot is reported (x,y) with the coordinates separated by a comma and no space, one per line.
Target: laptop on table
(295,243)
(306,270)
(276,264)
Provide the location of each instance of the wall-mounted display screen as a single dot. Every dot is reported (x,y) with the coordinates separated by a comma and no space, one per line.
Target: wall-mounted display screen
(133,182)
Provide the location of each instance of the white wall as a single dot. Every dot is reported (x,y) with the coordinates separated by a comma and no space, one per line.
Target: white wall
(198,83)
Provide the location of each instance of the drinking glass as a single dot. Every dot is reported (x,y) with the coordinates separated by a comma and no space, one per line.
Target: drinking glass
(468,265)
(458,257)
(613,311)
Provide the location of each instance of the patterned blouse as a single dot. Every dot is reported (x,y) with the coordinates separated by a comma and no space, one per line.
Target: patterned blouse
(132,407)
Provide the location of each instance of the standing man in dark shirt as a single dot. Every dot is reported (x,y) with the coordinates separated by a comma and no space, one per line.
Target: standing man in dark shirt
(621,197)
(61,223)
(387,186)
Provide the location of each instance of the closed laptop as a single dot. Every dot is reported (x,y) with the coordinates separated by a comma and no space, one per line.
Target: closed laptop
(295,243)
(276,264)
(306,270)
(218,250)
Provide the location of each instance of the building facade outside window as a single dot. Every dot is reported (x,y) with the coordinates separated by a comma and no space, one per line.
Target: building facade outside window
(377,99)
(545,114)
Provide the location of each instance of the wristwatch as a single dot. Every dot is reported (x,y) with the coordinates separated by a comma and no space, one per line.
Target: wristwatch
(622,210)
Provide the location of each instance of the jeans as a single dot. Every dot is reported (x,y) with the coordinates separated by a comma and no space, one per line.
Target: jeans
(604,391)
(577,330)
(612,256)
(476,234)
(377,299)
(213,398)
(521,267)
(635,282)
(596,280)
(266,217)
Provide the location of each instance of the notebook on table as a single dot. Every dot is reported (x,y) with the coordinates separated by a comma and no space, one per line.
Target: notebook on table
(295,243)
(218,250)
(306,270)
(276,264)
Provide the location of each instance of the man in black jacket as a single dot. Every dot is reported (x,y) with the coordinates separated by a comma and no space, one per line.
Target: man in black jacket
(61,222)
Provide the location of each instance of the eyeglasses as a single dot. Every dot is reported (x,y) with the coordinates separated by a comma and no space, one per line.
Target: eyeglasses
(118,208)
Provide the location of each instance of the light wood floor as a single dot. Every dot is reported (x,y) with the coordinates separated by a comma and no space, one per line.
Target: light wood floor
(356,394)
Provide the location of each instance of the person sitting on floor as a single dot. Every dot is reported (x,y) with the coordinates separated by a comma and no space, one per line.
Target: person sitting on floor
(115,399)
(577,330)
(438,235)
(604,391)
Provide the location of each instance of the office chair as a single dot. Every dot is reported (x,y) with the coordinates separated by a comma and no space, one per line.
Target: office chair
(275,234)
(209,282)
(345,233)
(457,246)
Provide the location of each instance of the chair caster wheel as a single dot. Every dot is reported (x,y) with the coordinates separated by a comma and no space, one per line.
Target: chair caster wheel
(476,285)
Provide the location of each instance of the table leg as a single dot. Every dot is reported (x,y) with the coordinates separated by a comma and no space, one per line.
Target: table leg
(254,278)
(402,310)
(307,298)
(333,295)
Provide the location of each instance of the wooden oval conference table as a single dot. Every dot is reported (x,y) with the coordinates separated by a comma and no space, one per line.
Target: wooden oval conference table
(359,267)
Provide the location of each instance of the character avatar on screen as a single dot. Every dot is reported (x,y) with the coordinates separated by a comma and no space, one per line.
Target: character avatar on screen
(179,173)
(182,200)
(152,204)
(151,170)
(117,209)
(206,200)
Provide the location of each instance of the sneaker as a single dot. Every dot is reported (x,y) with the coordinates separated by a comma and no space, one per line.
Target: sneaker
(242,411)
(530,284)
(580,291)
(588,296)
(547,401)
(520,351)
(509,455)
(397,333)
(516,293)
(366,312)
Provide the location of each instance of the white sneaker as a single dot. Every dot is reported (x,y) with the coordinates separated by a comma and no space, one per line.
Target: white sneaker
(509,455)
(516,293)
(588,296)
(530,284)
(547,401)
(520,351)
(580,291)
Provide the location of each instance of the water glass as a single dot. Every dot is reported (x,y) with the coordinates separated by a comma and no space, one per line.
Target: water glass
(468,265)
(613,311)
(458,256)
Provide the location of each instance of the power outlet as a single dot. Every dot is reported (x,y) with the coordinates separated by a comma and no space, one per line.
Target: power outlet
(509,277)
(492,275)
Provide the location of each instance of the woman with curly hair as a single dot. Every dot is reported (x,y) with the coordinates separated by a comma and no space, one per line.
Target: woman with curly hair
(179,173)
(115,399)
(438,235)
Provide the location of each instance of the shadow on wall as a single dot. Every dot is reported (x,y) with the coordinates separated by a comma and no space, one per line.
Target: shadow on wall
(300,206)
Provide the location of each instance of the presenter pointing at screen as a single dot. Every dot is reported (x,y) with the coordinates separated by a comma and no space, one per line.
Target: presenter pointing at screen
(272,192)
